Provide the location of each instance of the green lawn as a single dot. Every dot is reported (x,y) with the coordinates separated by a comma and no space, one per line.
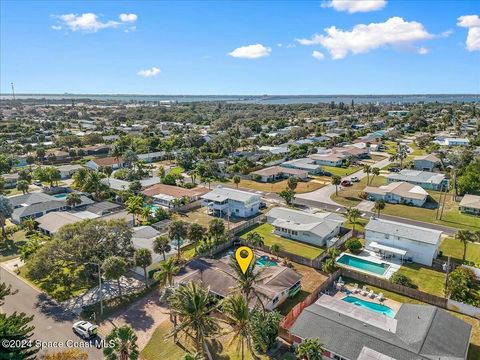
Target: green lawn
(340,171)
(291,246)
(454,248)
(9,248)
(425,278)
(359,225)
(177,170)
(349,196)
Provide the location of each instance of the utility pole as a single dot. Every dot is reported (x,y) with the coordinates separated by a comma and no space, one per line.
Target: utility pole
(13,92)
(444,199)
(446,277)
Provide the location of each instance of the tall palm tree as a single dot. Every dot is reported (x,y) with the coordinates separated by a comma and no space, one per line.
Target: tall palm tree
(167,271)
(134,206)
(275,248)
(236,180)
(79,178)
(161,245)
(191,305)
(336,180)
(237,315)
(375,172)
(178,230)
(464,236)
(73,199)
(124,344)
(247,280)
(367,170)
(379,206)
(94,185)
(254,239)
(353,214)
(196,232)
(310,349)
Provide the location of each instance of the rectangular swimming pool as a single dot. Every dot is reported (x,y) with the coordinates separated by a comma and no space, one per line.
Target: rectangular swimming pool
(363,265)
(378,308)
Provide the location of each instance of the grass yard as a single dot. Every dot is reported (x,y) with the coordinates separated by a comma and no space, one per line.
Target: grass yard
(454,248)
(291,246)
(9,248)
(177,170)
(425,278)
(159,347)
(348,196)
(474,350)
(340,171)
(359,225)
(276,187)
(198,216)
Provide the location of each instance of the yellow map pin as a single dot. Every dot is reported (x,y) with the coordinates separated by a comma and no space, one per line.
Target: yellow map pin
(244,256)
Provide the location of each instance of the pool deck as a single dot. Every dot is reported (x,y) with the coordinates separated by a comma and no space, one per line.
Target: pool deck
(367,255)
(394,305)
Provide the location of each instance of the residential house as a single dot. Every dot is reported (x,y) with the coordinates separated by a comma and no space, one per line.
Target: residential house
(351,332)
(315,229)
(398,193)
(52,222)
(112,162)
(274,173)
(328,158)
(230,202)
(452,141)
(305,164)
(426,179)
(66,171)
(122,185)
(426,162)
(10,180)
(470,204)
(142,238)
(152,157)
(416,243)
(276,284)
(274,149)
(168,195)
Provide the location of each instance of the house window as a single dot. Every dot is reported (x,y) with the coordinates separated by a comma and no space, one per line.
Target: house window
(275,300)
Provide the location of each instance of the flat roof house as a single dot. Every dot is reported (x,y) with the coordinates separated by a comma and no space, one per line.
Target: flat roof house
(304,164)
(426,163)
(166,194)
(452,142)
(328,158)
(470,204)
(276,283)
(425,179)
(230,202)
(421,244)
(315,229)
(66,171)
(398,193)
(273,173)
(113,162)
(350,332)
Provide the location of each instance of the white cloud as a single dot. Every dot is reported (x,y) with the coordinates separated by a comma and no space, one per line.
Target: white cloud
(154,71)
(423,50)
(318,55)
(472,23)
(353,6)
(251,51)
(362,38)
(446,33)
(131,18)
(90,22)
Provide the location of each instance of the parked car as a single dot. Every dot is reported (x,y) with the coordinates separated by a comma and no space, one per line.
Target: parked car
(86,330)
(394,169)
(346,183)
(38,183)
(354,179)
(262,205)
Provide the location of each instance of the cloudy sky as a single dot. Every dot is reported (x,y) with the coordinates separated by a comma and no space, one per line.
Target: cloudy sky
(314,47)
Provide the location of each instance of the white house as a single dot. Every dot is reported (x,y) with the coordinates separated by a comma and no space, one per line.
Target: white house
(273,173)
(305,164)
(398,193)
(470,204)
(66,171)
(402,240)
(315,229)
(230,202)
(425,179)
(452,142)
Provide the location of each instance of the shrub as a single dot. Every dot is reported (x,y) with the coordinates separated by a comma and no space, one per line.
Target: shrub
(363,195)
(354,245)
(402,279)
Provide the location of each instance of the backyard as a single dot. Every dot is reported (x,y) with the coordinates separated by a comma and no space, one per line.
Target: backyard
(9,248)
(276,187)
(426,279)
(340,171)
(291,246)
(454,248)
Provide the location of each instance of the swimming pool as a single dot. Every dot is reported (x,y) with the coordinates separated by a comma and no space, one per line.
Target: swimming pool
(265,261)
(61,196)
(378,308)
(363,265)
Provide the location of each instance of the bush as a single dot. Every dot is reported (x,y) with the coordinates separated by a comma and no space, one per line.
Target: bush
(363,195)
(354,245)
(402,279)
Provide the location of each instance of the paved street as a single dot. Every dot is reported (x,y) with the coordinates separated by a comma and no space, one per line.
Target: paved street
(51,322)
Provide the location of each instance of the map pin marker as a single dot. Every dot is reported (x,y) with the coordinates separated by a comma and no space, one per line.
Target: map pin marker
(244,256)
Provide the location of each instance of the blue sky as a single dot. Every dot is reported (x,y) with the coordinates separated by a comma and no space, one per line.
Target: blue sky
(385,47)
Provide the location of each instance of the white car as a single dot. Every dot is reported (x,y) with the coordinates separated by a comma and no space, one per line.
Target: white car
(85,329)
(354,179)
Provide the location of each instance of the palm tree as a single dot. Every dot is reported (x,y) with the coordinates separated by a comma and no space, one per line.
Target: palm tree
(292,182)
(28,224)
(402,153)
(123,344)
(375,172)
(237,315)
(143,258)
(310,349)
(196,232)
(464,236)
(22,185)
(114,267)
(275,248)
(178,230)
(379,205)
(94,185)
(236,180)
(254,239)
(161,245)
(191,304)
(73,199)
(80,178)
(167,271)
(6,211)
(134,206)
(146,212)
(336,180)
(367,169)
(247,280)
(353,214)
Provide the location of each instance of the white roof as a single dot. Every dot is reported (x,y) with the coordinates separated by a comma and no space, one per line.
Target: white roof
(411,232)
(391,249)
(220,194)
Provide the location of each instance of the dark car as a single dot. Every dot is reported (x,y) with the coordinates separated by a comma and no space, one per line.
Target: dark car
(346,183)
(394,169)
